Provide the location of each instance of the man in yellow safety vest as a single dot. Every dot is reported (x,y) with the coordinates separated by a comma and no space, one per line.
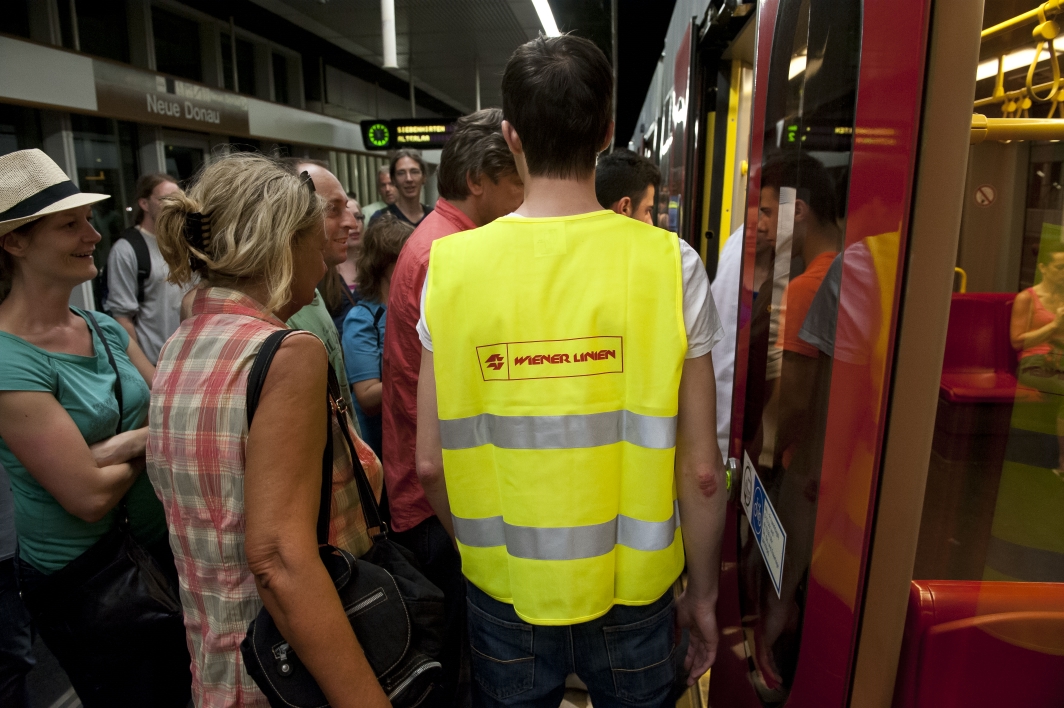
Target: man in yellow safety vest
(566,416)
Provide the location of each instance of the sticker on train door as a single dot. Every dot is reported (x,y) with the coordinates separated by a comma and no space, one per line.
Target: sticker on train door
(764,523)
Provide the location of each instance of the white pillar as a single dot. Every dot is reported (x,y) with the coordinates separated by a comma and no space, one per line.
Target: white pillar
(391,59)
(476,75)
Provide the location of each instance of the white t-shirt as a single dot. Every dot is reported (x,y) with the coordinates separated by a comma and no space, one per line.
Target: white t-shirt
(699,312)
(155,319)
(725,290)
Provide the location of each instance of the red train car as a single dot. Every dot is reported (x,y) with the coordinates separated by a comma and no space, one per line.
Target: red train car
(896,428)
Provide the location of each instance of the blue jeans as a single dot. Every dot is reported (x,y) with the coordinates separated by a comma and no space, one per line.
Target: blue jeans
(631,656)
(16,640)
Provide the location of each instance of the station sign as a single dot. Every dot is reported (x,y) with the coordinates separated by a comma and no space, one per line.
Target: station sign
(132,94)
(764,522)
(406,133)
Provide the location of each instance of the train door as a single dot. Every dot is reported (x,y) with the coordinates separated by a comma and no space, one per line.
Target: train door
(838,87)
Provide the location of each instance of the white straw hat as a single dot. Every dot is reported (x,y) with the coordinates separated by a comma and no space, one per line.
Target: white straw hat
(32,186)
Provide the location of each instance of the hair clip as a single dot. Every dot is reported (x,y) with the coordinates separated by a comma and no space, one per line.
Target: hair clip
(305,176)
(198,237)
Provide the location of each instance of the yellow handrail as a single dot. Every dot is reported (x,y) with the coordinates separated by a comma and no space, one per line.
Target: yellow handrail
(964,279)
(1049,8)
(984,128)
(1009,95)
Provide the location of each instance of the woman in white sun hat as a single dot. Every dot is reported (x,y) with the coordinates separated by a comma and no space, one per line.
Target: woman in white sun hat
(94,564)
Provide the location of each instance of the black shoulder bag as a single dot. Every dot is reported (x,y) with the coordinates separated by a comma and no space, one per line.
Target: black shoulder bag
(396,613)
(115,588)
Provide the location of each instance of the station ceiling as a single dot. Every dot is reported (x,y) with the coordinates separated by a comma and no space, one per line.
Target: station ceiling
(442,40)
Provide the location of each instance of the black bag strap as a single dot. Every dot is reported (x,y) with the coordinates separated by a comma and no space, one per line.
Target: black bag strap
(121,514)
(114,367)
(347,291)
(370,509)
(256,378)
(140,249)
(257,375)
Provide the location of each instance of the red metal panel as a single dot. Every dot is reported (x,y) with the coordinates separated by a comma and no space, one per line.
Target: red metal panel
(978,644)
(885,143)
(889,94)
(729,685)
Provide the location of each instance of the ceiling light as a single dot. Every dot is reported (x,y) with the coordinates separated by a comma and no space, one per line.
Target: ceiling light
(546,18)
(798,64)
(1013,60)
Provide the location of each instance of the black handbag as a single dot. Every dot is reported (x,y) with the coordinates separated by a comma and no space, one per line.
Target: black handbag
(396,613)
(115,585)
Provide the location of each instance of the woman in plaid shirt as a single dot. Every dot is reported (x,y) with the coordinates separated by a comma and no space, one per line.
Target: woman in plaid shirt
(241,505)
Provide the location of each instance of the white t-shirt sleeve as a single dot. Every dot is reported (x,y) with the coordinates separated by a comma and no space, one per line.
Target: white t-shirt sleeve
(422,326)
(700,316)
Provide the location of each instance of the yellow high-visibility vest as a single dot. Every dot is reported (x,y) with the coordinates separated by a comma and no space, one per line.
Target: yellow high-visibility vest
(558,347)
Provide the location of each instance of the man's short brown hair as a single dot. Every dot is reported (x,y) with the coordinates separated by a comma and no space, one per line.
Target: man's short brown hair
(557,93)
(475,148)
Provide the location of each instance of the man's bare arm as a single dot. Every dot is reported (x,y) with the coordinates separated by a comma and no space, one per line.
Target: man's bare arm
(701,488)
(429,448)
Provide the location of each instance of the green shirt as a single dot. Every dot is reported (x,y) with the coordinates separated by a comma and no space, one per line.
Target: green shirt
(315,318)
(49,537)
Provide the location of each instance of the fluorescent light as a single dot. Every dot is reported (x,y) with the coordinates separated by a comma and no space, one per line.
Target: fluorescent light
(546,18)
(1013,60)
(797,66)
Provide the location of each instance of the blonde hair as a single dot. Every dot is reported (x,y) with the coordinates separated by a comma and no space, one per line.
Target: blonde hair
(257,209)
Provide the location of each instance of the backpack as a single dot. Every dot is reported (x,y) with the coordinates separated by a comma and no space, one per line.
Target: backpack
(100,291)
(376,328)
(140,249)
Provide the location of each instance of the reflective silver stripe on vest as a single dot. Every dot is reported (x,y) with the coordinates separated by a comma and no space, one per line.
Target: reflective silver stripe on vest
(568,542)
(559,432)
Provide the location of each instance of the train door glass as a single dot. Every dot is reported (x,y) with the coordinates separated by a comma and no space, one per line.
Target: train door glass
(20,129)
(185,153)
(804,177)
(994,501)
(105,155)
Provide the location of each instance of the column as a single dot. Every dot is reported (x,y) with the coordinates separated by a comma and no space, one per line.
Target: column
(211,54)
(59,145)
(141,35)
(44,22)
(152,151)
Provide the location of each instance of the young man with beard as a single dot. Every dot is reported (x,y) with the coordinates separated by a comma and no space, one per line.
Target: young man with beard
(140,297)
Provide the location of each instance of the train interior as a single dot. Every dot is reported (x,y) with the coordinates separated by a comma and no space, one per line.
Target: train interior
(809,165)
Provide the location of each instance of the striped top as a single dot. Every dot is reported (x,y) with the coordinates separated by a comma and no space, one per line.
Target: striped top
(196,453)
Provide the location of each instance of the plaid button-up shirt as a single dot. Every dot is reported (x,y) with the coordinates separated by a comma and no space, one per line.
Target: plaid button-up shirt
(196,452)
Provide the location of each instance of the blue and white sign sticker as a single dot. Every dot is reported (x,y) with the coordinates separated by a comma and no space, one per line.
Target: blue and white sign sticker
(764,523)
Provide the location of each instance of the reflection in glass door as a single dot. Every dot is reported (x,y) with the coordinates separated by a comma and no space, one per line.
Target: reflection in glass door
(804,175)
(105,156)
(185,154)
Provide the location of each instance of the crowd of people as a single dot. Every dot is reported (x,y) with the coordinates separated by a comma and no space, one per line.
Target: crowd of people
(527,372)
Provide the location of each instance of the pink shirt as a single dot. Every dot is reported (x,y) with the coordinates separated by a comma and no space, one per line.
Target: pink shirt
(1040,317)
(402,365)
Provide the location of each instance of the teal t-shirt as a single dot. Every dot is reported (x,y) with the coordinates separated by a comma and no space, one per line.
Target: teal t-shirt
(315,318)
(49,537)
